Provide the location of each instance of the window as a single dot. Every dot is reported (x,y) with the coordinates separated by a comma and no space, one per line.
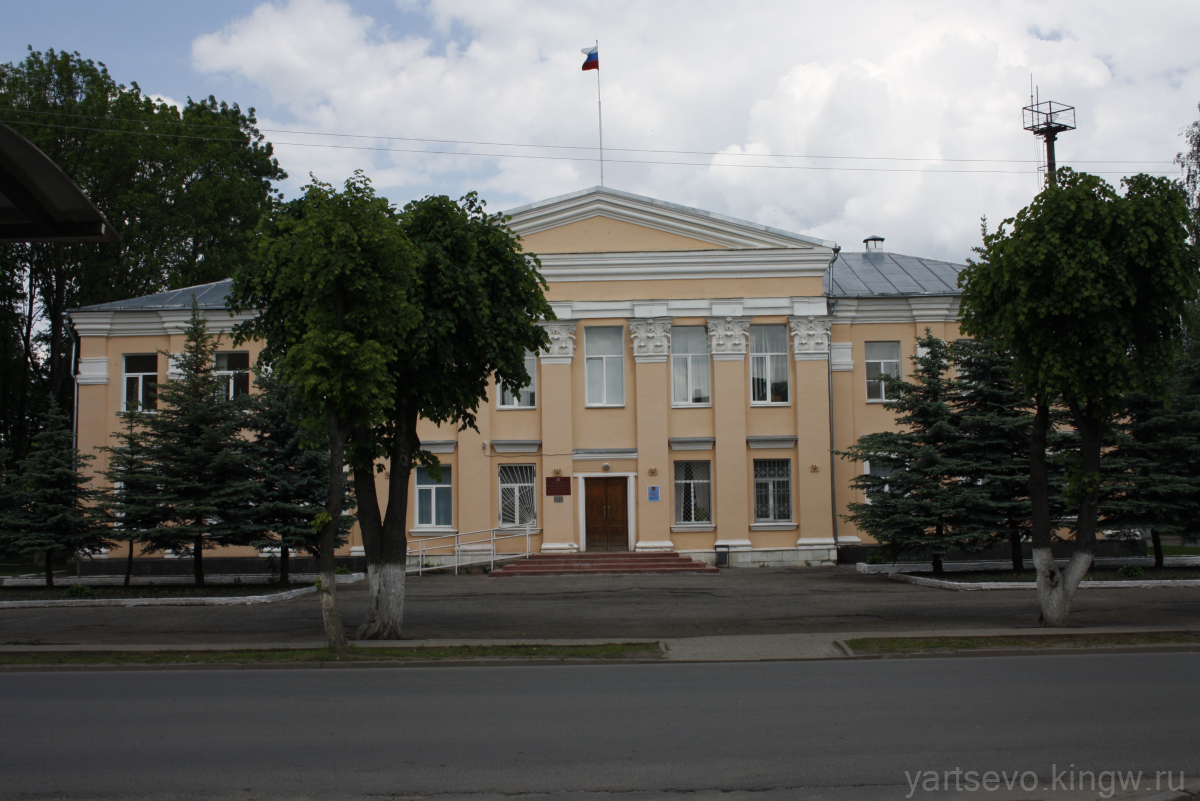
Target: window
(878,471)
(527,397)
(604,350)
(768,364)
(690,366)
(772,491)
(435,504)
(233,370)
(517,494)
(883,358)
(141,376)
(693,492)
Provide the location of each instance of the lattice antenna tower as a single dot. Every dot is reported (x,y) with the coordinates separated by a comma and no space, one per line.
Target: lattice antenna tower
(1048,119)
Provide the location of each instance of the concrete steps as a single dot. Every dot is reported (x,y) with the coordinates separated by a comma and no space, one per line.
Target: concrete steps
(601,563)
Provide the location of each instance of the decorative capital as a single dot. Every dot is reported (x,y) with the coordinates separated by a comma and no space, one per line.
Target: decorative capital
(810,337)
(728,337)
(562,342)
(651,338)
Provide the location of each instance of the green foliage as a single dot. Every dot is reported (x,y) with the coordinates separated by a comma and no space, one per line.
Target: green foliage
(131,498)
(1189,162)
(329,283)
(291,482)
(47,505)
(1131,571)
(79,591)
(185,188)
(917,497)
(1086,289)
(198,453)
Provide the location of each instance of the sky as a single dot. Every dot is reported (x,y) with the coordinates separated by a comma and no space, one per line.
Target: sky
(834,120)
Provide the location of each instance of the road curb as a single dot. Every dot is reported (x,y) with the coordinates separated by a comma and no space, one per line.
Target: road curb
(216,600)
(970,586)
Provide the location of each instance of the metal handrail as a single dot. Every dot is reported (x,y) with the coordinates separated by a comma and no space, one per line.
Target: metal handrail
(488,537)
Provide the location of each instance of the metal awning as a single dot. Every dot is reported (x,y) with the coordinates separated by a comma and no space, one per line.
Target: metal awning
(39,203)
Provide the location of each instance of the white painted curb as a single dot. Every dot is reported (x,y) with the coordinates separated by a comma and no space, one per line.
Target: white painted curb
(1032,585)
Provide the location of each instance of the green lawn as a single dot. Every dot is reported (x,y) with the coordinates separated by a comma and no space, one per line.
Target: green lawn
(64,593)
(1181,550)
(320,655)
(918,645)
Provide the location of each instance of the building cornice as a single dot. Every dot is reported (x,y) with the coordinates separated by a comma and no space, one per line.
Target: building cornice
(135,323)
(685,265)
(904,309)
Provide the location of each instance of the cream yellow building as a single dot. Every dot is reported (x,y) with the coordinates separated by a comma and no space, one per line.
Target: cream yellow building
(700,371)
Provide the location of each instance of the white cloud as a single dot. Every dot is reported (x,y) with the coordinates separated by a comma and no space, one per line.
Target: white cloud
(867,79)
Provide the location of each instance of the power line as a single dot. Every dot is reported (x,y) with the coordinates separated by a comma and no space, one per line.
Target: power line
(652,162)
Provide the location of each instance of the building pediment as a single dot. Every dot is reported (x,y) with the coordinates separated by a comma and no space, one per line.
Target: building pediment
(603,220)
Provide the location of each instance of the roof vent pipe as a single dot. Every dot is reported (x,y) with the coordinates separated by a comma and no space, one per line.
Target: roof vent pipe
(873,243)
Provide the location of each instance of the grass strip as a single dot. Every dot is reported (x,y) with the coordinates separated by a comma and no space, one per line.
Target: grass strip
(318,655)
(80,592)
(920,645)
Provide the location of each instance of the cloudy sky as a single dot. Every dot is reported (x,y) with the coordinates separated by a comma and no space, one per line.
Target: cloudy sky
(837,120)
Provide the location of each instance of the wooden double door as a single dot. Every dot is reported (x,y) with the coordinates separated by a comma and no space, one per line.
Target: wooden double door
(606,513)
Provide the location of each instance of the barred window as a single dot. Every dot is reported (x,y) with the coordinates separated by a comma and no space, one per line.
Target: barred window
(523,398)
(690,370)
(693,492)
(517,482)
(772,490)
(233,371)
(141,377)
(435,502)
(768,364)
(882,358)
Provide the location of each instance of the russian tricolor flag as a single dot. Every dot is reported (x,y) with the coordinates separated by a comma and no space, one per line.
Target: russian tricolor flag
(592,62)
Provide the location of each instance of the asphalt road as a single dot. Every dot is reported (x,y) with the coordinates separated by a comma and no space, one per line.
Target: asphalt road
(800,730)
(744,601)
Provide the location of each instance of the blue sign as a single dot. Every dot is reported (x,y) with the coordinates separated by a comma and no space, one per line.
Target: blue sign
(653,493)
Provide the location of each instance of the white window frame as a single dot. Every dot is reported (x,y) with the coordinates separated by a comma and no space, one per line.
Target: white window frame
(687,487)
(514,488)
(687,363)
(770,360)
(229,375)
(607,362)
(141,379)
(773,486)
(525,398)
(432,492)
(881,365)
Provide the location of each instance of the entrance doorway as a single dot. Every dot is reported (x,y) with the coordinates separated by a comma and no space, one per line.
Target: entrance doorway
(606,513)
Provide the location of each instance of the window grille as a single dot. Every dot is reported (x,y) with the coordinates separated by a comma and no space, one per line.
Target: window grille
(772,490)
(693,492)
(517,484)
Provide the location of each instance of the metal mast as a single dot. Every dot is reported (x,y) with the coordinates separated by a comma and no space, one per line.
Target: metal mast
(1048,119)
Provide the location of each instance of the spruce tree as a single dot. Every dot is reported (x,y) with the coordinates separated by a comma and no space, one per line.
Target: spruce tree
(1153,471)
(291,475)
(48,507)
(199,456)
(992,446)
(131,498)
(915,500)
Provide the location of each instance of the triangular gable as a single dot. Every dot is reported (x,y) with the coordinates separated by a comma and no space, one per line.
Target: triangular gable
(607,220)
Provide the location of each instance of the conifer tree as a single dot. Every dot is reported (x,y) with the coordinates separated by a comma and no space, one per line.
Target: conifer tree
(198,454)
(992,447)
(48,508)
(131,498)
(291,475)
(914,488)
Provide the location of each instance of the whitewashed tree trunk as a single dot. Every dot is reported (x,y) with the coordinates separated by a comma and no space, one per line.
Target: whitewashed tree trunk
(1056,588)
(385,616)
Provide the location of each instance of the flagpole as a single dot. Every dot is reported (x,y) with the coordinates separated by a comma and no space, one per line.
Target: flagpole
(600,119)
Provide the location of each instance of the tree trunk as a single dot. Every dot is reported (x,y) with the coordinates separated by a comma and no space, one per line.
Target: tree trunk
(938,568)
(49,567)
(1053,599)
(1018,557)
(1156,541)
(386,568)
(326,560)
(285,575)
(129,562)
(198,560)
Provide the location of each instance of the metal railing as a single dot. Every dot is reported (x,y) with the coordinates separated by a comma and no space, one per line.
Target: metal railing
(468,548)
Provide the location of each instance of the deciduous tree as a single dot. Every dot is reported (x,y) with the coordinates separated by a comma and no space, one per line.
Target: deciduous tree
(1086,289)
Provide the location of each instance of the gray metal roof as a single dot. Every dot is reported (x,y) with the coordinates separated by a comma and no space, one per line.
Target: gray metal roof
(209,296)
(852,275)
(876,274)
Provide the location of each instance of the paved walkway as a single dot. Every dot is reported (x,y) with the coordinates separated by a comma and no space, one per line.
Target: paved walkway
(762,611)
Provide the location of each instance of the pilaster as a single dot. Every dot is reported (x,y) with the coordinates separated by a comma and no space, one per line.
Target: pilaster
(728,341)
(814,488)
(557,520)
(651,355)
